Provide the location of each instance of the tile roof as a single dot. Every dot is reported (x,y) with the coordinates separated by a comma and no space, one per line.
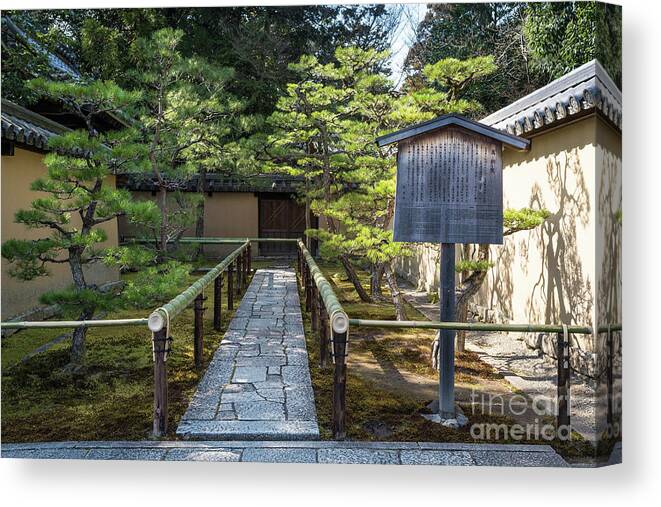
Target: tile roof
(26,127)
(445,120)
(586,89)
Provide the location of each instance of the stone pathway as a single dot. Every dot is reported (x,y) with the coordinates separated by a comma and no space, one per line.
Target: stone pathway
(258,383)
(383,453)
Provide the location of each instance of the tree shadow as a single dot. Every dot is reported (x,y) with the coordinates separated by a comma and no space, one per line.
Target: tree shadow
(562,292)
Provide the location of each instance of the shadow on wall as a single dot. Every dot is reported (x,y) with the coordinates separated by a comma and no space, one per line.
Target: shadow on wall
(610,218)
(421,267)
(562,293)
(502,279)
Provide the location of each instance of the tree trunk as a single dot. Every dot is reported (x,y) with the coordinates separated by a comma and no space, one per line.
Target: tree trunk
(376,276)
(77,351)
(353,277)
(462,310)
(397,298)
(163,230)
(199,224)
(470,285)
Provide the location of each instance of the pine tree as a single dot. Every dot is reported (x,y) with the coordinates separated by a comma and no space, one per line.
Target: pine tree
(79,198)
(187,119)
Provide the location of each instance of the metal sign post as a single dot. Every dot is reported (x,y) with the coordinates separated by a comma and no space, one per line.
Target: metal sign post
(446,340)
(449,191)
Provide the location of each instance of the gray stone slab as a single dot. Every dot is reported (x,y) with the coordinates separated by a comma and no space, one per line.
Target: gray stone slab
(273,394)
(300,403)
(53,453)
(358,456)
(518,459)
(451,458)
(249,374)
(296,374)
(246,397)
(225,455)
(281,455)
(259,411)
(261,361)
(127,454)
(249,430)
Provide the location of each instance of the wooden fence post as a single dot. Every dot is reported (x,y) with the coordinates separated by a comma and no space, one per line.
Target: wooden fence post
(230,288)
(339,386)
(308,289)
(314,316)
(198,333)
(299,265)
(217,302)
(323,337)
(160,345)
(563,379)
(239,280)
(249,259)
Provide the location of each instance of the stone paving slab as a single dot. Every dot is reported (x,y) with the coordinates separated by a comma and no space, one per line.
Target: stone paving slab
(258,386)
(327,452)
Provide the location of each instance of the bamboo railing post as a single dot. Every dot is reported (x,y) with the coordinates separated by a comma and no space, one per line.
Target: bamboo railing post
(238,275)
(299,270)
(248,264)
(563,379)
(160,345)
(198,333)
(323,337)
(250,258)
(217,302)
(339,386)
(308,289)
(314,316)
(230,288)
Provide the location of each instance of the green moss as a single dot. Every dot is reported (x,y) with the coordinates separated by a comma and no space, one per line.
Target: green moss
(114,400)
(409,350)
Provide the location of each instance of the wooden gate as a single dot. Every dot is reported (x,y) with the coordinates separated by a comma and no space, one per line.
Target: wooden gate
(280,216)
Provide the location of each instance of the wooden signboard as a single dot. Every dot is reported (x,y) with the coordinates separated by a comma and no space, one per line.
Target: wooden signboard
(449,188)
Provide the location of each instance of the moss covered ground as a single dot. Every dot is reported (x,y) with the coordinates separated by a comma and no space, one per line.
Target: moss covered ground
(113,401)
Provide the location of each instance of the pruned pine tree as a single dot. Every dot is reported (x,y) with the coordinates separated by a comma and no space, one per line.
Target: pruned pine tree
(77,198)
(326,127)
(187,117)
(312,125)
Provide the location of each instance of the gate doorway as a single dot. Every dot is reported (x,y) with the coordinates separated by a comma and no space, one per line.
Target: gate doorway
(280,216)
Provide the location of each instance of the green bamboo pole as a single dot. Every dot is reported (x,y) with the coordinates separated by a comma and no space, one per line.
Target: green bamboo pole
(338,317)
(158,318)
(470,326)
(57,324)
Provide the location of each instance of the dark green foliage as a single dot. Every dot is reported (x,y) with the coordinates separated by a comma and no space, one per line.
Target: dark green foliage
(156,284)
(461,31)
(523,219)
(259,42)
(562,36)
(531,43)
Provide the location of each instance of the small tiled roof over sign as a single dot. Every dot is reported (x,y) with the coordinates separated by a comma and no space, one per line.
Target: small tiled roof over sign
(587,89)
(26,127)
